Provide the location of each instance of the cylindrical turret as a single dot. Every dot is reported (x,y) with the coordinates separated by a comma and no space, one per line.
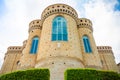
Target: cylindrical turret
(29,53)
(107,58)
(88,46)
(59,8)
(59,53)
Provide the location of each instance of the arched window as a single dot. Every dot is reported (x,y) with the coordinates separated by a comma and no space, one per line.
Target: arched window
(87,46)
(34,45)
(59,29)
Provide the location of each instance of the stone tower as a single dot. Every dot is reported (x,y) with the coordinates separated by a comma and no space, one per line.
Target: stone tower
(28,60)
(11,59)
(58,41)
(60,54)
(107,58)
(85,30)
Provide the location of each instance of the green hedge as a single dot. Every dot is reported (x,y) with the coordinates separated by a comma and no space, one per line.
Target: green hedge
(90,74)
(31,74)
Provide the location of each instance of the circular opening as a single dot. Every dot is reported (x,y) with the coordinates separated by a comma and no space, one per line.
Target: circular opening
(68,11)
(18,62)
(52,62)
(37,21)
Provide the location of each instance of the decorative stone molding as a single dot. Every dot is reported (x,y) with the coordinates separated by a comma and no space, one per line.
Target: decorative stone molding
(35,24)
(84,23)
(104,49)
(14,49)
(59,8)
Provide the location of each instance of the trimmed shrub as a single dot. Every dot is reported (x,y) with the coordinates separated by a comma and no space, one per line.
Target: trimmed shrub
(31,74)
(90,74)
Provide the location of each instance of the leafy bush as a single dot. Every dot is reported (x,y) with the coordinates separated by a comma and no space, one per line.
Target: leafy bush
(90,74)
(31,74)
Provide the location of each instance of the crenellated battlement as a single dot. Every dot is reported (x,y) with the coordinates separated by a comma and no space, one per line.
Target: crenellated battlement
(84,23)
(35,24)
(14,48)
(59,8)
(104,49)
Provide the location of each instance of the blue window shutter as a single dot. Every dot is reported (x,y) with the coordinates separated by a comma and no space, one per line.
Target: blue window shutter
(34,45)
(87,46)
(32,48)
(64,28)
(59,29)
(65,38)
(54,37)
(59,37)
(54,28)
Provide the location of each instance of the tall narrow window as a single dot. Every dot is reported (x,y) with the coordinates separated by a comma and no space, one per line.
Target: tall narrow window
(87,46)
(59,29)
(34,45)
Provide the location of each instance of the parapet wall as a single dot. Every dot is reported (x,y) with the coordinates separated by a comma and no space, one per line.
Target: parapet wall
(59,8)
(14,48)
(84,23)
(35,24)
(104,49)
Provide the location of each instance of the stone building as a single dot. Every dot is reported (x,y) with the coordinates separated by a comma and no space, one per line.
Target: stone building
(59,40)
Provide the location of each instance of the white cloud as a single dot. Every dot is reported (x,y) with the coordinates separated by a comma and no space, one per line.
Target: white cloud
(14,23)
(105,23)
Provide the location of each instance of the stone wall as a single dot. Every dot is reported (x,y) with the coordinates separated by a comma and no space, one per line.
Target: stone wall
(107,58)
(12,59)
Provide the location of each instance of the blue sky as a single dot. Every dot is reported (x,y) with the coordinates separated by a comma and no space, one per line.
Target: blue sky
(117,6)
(15,16)
(2,7)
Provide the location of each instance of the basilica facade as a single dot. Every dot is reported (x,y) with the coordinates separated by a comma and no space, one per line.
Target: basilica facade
(59,40)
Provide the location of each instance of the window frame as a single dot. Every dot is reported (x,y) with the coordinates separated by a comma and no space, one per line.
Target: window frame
(59,29)
(34,45)
(87,44)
